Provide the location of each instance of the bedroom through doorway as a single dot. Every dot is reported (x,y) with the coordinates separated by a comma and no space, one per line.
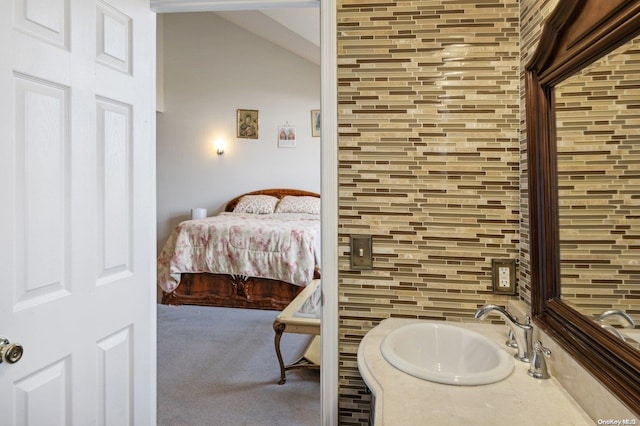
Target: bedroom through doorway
(200,103)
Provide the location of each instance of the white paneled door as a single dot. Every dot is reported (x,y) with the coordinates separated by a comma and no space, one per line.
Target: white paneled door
(77,220)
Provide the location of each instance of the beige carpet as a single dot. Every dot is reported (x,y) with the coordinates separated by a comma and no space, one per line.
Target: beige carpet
(217,366)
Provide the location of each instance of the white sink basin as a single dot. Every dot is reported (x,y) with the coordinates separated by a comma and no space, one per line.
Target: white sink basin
(447,354)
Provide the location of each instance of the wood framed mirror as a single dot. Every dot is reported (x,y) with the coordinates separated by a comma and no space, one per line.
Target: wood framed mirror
(577,34)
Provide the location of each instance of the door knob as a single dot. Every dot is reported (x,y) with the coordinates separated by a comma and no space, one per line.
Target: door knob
(10,352)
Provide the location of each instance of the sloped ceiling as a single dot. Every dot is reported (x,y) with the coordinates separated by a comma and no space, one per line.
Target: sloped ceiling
(291,24)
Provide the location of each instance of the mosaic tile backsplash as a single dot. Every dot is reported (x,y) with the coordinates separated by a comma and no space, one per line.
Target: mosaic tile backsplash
(598,116)
(430,159)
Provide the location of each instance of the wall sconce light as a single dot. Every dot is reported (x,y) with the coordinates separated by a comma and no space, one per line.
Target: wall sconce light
(219,145)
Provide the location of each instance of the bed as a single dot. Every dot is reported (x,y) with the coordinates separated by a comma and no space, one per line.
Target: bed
(259,253)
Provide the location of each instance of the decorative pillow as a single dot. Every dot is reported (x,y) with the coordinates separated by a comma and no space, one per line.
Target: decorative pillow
(299,204)
(258,204)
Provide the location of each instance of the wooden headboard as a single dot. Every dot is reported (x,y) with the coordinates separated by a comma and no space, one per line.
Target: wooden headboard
(275,192)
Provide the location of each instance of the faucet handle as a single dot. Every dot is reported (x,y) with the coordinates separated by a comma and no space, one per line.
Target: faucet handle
(538,368)
(511,340)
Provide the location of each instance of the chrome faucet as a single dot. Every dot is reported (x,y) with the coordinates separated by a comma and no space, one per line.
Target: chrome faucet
(523,333)
(627,321)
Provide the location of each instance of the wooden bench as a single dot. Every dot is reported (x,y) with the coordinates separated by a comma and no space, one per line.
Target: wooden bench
(290,320)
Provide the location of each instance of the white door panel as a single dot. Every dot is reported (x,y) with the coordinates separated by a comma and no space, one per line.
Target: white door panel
(41,397)
(113,38)
(41,243)
(114,189)
(46,19)
(77,178)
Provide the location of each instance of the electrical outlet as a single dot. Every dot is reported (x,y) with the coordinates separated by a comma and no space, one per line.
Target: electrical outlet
(504,277)
(503,272)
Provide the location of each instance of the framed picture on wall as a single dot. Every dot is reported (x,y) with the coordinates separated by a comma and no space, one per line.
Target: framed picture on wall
(247,123)
(286,136)
(315,123)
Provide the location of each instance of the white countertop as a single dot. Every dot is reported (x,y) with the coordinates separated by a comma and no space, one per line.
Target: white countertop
(402,399)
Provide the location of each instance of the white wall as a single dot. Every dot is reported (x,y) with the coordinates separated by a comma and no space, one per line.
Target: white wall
(211,69)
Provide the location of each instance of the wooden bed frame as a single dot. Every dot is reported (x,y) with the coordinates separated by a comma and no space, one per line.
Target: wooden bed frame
(207,289)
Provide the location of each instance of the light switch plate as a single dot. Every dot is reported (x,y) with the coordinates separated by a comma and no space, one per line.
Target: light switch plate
(361,253)
(503,274)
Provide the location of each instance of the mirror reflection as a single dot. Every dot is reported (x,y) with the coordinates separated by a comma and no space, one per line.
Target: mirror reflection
(598,144)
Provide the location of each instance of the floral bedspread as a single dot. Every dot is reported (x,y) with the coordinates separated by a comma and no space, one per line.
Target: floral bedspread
(282,246)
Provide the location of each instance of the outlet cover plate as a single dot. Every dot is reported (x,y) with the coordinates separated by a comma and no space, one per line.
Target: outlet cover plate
(503,276)
(361,253)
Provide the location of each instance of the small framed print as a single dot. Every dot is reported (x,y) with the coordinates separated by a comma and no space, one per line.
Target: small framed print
(247,123)
(286,137)
(315,123)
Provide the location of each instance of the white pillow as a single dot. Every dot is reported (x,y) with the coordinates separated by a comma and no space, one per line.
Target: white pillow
(257,204)
(299,204)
